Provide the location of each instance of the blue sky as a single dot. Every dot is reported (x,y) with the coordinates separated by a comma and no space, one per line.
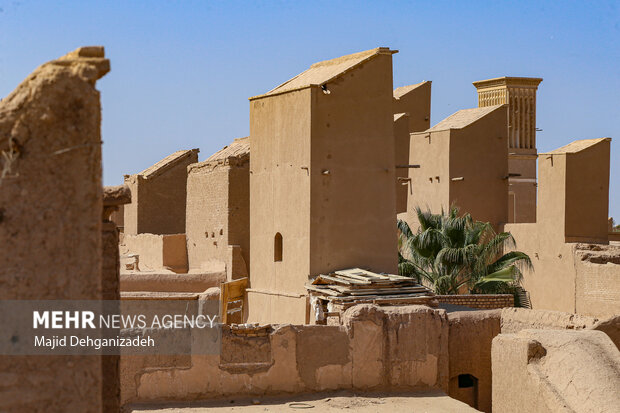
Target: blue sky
(182,70)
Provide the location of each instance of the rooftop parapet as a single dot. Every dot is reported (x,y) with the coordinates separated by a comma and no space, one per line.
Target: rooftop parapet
(168,162)
(237,153)
(326,71)
(463,118)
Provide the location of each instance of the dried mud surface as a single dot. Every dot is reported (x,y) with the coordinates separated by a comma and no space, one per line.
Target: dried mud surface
(428,402)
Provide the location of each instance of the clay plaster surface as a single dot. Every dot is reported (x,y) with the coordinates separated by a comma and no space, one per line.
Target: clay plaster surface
(51,203)
(321,177)
(159,196)
(358,355)
(559,371)
(218,210)
(430,402)
(463,162)
(569,274)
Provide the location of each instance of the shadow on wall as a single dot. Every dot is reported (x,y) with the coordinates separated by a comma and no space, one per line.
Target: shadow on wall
(376,349)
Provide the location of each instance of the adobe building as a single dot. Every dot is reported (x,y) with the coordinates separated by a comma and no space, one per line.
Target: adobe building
(218,210)
(462,161)
(321,181)
(159,196)
(416,101)
(118,217)
(574,192)
(114,198)
(401,157)
(558,361)
(51,230)
(412,113)
(575,270)
(519,93)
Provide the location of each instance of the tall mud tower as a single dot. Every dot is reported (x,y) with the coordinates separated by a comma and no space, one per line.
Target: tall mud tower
(322,193)
(519,93)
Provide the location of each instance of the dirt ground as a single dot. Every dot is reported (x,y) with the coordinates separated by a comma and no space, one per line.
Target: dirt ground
(429,402)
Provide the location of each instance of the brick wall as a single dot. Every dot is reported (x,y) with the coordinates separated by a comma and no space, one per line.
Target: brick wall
(207,213)
(162,200)
(488,301)
(218,211)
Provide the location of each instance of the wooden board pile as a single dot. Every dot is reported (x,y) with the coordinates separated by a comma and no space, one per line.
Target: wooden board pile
(343,289)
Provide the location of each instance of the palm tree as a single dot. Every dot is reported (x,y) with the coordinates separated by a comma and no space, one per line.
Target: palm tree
(451,252)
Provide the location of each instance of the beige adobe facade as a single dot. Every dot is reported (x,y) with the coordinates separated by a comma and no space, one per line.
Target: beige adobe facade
(412,113)
(51,231)
(218,211)
(412,348)
(574,190)
(555,371)
(462,161)
(519,93)
(155,253)
(401,146)
(416,101)
(159,195)
(574,269)
(321,180)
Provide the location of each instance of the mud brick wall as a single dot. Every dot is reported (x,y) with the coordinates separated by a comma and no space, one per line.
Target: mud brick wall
(486,301)
(50,221)
(218,214)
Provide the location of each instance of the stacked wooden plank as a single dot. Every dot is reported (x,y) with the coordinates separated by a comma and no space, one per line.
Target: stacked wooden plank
(343,289)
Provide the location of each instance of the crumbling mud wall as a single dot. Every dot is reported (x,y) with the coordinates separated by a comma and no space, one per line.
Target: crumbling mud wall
(517,319)
(470,339)
(597,278)
(114,197)
(514,320)
(469,349)
(376,348)
(555,371)
(51,220)
(611,327)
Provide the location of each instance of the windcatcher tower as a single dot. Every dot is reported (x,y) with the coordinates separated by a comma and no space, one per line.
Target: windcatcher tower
(519,93)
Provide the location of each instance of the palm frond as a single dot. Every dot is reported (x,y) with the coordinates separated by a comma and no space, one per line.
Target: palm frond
(404,228)
(505,275)
(428,243)
(425,218)
(450,250)
(518,258)
(477,232)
